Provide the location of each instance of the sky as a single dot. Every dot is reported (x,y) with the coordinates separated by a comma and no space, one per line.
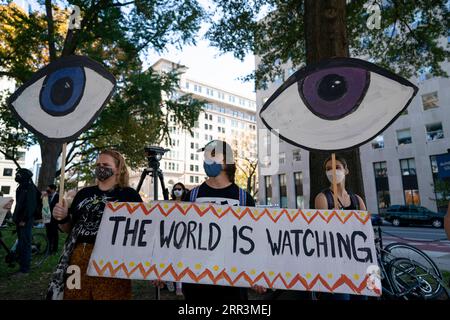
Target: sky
(204,63)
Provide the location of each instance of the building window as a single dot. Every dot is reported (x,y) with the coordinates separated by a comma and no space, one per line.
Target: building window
(296,155)
(206,116)
(283,191)
(268,188)
(409,180)
(7,172)
(378,142)
(282,157)
(192,145)
(404,137)
(380,169)
(191,167)
(382,185)
(408,167)
(191,179)
(299,199)
(196,179)
(440,186)
(5,190)
(430,101)
(434,131)
(187,85)
(192,156)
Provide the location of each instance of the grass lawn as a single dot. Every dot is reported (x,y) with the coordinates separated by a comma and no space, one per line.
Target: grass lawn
(34,286)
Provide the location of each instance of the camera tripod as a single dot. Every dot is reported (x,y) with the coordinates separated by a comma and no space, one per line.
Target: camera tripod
(154,155)
(154,173)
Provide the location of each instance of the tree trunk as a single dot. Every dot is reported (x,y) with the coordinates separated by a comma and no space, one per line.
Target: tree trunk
(50,152)
(326,37)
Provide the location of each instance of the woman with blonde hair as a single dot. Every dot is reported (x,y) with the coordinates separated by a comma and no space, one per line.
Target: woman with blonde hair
(81,221)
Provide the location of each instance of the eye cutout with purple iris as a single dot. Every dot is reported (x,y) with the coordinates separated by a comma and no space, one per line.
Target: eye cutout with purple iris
(335,92)
(336,104)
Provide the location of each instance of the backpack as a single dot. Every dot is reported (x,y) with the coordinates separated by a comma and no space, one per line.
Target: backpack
(242,196)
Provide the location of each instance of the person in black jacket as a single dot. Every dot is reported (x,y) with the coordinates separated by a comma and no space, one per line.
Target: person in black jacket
(52,226)
(23,216)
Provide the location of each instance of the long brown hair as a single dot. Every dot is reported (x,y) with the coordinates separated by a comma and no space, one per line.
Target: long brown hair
(124,178)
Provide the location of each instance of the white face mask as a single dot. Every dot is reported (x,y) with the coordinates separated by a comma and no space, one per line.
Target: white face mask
(178,193)
(340,175)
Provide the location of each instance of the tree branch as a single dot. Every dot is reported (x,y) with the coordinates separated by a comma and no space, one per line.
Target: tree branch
(8,156)
(50,29)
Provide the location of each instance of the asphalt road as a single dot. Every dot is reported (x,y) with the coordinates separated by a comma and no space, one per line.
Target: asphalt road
(415,232)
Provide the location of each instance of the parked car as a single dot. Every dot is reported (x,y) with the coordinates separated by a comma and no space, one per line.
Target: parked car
(398,215)
(376,219)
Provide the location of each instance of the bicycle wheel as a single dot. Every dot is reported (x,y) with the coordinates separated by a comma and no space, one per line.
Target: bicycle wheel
(411,280)
(403,250)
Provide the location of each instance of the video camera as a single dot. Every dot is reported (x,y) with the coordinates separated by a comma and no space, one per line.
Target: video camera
(154,155)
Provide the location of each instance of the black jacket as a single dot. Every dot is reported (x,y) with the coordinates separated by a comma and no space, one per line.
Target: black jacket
(26,202)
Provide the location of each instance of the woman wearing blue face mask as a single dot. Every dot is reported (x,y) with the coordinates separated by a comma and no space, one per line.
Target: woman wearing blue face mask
(219,189)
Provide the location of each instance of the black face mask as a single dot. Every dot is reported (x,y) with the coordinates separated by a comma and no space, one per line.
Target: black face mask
(103,173)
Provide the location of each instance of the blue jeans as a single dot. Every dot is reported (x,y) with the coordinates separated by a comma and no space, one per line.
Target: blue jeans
(24,246)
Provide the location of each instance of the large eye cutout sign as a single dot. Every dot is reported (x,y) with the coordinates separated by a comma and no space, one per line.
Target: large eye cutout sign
(337,104)
(64,98)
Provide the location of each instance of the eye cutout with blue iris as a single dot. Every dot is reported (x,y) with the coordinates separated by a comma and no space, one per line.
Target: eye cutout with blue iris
(63,98)
(336,104)
(62,91)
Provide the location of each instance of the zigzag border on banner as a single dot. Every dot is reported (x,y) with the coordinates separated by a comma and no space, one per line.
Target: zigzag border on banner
(108,268)
(255,213)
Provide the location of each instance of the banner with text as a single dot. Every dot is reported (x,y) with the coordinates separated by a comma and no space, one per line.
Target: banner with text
(298,249)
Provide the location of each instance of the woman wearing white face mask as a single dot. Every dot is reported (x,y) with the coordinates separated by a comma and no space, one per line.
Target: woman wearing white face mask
(179,191)
(346,200)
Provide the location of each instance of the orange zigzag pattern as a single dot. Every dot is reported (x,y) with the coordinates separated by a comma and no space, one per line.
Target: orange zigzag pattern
(187,272)
(237,212)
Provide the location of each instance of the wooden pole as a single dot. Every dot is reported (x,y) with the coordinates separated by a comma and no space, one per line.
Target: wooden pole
(333,165)
(61,177)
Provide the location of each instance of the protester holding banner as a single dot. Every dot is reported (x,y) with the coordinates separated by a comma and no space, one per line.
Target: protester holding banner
(220,189)
(346,201)
(82,221)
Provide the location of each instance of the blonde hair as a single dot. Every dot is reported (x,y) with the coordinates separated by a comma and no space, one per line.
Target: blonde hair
(124,178)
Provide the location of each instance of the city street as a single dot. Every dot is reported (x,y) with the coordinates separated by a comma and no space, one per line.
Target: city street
(432,241)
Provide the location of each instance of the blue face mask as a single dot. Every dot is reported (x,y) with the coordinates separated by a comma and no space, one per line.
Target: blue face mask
(212,169)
